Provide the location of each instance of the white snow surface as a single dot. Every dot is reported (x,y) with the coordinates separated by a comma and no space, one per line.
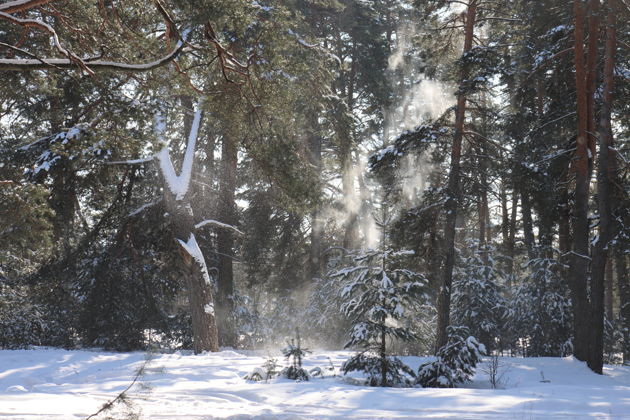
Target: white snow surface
(55,384)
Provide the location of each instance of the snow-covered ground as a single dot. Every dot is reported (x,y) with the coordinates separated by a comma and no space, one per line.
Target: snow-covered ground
(56,384)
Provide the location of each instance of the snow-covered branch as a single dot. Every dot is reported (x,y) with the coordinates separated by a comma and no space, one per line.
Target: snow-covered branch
(18,64)
(70,60)
(178,184)
(21,5)
(218,224)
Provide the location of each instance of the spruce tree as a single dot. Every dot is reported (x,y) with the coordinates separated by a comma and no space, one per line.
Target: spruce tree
(376,295)
(478,302)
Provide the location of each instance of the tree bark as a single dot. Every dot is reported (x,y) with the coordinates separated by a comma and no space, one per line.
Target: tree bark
(351,234)
(609,302)
(200,297)
(191,263)
(605,177)
(511,242)
(315,250)
(528,225)
(225,243)
(453,190)
(579,262)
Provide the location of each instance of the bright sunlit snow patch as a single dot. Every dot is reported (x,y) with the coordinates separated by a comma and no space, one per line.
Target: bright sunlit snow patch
(52,384)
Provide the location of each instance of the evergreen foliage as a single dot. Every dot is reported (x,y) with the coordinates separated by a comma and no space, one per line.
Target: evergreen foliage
(377,295)
(478,302)
(298,99)
(455,363)
(540,310)
(294,353)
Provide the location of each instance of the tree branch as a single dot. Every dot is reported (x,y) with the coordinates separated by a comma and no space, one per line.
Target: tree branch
(21,5)
(46,63)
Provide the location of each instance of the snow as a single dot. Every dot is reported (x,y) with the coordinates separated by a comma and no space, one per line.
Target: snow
(192,247)
(132,161)
(56,384)
(178,184)
(142,208)
(218,224)
(209,308)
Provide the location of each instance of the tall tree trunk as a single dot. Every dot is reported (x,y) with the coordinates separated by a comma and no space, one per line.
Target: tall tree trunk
(609,301)
(579,262)
(200,297)
(505,217)
(63,195)
(564,226)
(225,243)
(453,190)
(605,177)
(351,226)
(511,244)
(346,138)
(317,228)
(484,234)
(528,225)
(63,199)
(192,265)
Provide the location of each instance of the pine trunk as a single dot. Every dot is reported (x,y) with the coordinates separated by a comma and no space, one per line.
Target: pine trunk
(453,190)
(225,243)
(579,262)
(315,250)
(200,297)
(528,225)
(383,356)
(605,176)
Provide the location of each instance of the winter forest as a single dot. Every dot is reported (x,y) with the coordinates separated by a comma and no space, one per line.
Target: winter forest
(416,190)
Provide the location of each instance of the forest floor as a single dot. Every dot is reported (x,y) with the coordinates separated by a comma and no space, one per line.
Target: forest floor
(56,384)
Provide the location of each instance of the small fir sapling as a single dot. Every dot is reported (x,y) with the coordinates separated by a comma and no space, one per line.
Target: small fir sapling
(455,362)
(269,370)
(376,295)
(294,353)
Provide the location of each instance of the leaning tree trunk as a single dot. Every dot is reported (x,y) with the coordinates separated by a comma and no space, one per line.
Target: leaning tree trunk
(195,276)
(225,243)
(191,263)
(453,190)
